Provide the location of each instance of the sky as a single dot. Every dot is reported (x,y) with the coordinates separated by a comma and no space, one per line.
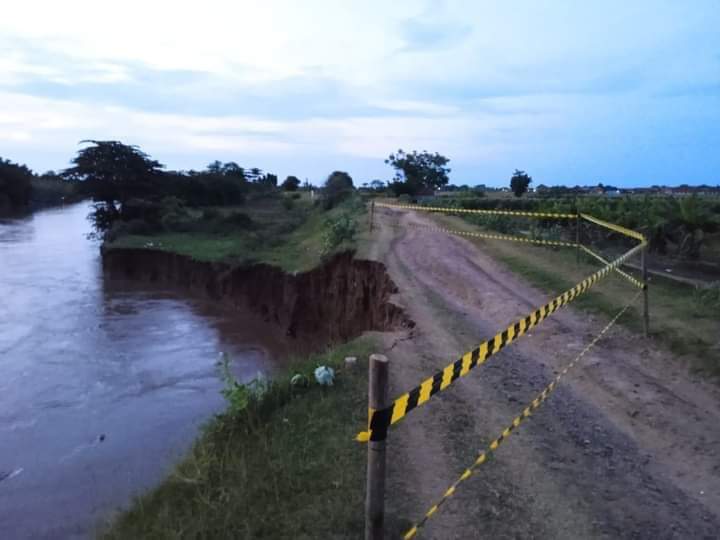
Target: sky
(624,93)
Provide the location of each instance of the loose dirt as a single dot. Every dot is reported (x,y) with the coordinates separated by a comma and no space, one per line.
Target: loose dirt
(628,446)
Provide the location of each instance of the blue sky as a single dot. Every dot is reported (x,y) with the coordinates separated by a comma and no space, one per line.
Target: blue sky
(625,93)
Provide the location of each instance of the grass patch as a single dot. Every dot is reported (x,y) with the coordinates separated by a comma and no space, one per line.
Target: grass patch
(679,318)
(293,239)
(286,467)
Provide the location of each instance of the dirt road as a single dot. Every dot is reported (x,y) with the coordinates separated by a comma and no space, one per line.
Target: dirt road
(627,447)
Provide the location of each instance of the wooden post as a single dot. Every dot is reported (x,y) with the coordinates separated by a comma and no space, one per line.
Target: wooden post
(375,498)
(577,239)
(372,214)
(646,314)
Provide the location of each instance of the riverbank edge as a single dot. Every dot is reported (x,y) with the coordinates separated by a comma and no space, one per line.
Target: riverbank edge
(287,466)
(332,303)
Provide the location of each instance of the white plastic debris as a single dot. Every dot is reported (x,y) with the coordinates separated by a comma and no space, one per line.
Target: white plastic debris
(324,375)
(350,361)
(299,380)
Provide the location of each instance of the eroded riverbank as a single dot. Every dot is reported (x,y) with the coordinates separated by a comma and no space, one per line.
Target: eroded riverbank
(109,370)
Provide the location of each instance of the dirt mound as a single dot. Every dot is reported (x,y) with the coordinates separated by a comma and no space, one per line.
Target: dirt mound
(332,303)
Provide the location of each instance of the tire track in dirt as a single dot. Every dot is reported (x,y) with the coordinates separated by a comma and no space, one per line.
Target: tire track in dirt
(627,447)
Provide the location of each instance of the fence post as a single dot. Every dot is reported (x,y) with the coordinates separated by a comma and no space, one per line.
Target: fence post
(372,214)
(375,498)
(646,315)
(577,239)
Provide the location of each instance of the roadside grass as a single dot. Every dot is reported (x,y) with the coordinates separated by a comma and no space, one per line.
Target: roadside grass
(292,239)
(286,468)
(677,319)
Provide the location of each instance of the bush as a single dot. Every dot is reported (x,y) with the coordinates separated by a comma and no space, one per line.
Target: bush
(288,203)
(708,296)
(405,199)
(240,220)
(149,211)
(338,187)
(211,214)
(336,231)
(174,215)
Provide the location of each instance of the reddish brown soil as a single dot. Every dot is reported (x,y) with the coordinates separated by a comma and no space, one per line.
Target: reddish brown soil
(333,303)
(628,446)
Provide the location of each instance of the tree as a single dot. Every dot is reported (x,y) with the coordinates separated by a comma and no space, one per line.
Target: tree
(377,185)
(338,186)
(519,182)
(268,181)
(254,174)
(233,170)
(416,172)
(15,185)
(291,183)
(114,173)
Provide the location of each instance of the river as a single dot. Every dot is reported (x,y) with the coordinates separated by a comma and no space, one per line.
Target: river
(103,386)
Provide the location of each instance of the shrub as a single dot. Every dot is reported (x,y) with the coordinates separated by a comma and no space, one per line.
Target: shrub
(708,296)
(336,231)
(338,186)
(404,199)
(211,214)
(174,215)
(239,219)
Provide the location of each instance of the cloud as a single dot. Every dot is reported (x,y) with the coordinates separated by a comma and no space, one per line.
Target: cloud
(426,33)
(558,88)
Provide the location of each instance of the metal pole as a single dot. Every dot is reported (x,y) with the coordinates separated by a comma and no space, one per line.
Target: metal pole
(375,501)
(646,315)
(577,239)
(372,214)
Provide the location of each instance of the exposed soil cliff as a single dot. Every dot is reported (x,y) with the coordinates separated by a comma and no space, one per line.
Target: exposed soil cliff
(331,303)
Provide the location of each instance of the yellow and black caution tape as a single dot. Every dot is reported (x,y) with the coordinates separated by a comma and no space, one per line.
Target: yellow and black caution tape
(627,276)
(380,420)
(542,215)
(497,236)
(616,228)
(524,415)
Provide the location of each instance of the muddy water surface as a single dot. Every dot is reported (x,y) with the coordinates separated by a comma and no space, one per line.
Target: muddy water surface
(102,385)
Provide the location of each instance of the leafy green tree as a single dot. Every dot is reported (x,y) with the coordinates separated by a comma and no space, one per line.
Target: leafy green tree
(291,183)
(519,182)
(15,185)
(233,170)
(418,171)
(114,173)
(269,180)
(254,174)
(377,185)
(338,186)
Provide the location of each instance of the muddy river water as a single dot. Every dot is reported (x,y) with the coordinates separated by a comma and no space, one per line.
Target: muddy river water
(102,385)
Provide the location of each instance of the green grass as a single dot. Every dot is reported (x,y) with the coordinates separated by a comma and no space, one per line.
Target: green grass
(289,468)
(290,239)
(677,319)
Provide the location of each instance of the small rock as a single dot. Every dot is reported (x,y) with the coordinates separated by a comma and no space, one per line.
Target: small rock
(101,438)
(350,361)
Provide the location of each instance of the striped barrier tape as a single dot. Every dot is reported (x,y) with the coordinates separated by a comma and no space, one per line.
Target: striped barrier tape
(497,236)
(616,228)
(380,420)
(603,260)
(486,212)
(524,415)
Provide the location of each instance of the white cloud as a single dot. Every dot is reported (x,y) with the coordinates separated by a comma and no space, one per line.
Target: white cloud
(479,81)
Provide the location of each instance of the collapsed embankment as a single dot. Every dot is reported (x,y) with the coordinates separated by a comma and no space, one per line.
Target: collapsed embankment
(332,303)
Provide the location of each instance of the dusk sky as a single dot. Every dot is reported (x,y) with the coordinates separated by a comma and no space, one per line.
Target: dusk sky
(625,93)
